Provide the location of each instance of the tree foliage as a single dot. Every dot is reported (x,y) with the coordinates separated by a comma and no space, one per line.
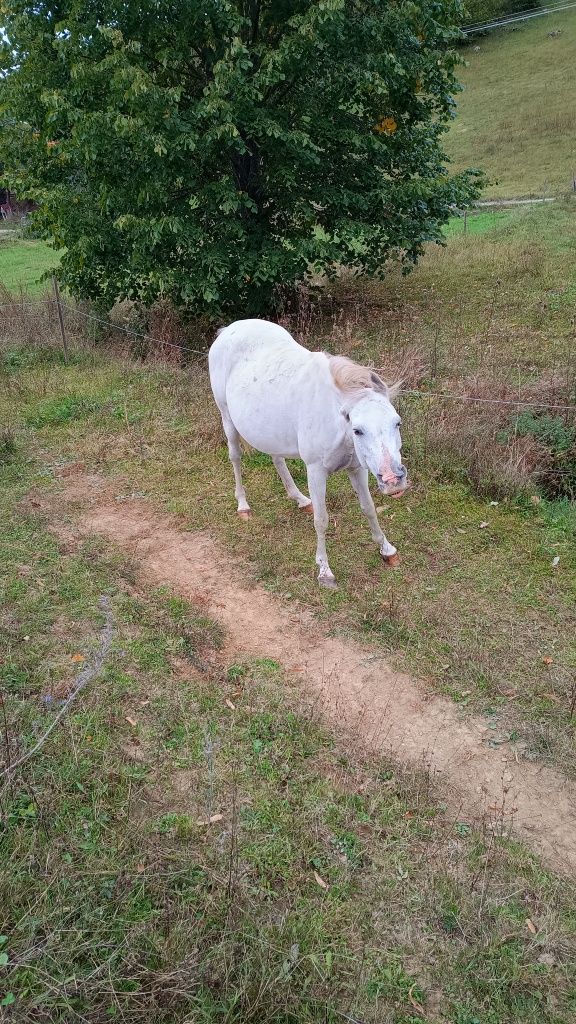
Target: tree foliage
(213,150)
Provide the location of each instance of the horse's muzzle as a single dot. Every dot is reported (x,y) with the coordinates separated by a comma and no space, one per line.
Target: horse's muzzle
(394,488)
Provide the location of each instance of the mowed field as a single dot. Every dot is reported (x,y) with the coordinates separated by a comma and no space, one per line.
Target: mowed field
(514,117)
(23,263)
(196,842)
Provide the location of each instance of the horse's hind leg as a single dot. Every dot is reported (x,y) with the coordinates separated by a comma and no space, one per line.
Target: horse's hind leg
(235,453)
(291,489)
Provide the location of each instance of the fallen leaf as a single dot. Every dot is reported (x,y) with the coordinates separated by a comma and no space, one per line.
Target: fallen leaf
(416,1006)
(144,703)
(230,705)
(552,696)
(88,739)
(320,881)
(555,561)
(548,661)
(483,526)
(531,926)
(211,820)
(131,721)
(494,503)
(460,530)
(78,657)
(140,868)
(536,499)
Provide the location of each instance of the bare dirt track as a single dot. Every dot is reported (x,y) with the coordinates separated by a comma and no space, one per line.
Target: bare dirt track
(355,689)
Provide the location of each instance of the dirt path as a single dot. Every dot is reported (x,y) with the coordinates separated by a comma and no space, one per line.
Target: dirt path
(355,688)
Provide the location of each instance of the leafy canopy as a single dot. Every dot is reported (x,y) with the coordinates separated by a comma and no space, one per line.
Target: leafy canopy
(214,150)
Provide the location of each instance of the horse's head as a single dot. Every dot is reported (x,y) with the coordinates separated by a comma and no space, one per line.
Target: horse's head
(374,422)
(375,426)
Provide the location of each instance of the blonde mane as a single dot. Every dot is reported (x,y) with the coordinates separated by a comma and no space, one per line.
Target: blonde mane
(350,377)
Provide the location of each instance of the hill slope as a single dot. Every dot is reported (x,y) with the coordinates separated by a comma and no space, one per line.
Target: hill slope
(517,115)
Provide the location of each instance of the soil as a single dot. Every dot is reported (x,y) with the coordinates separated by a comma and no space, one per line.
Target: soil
(355,689)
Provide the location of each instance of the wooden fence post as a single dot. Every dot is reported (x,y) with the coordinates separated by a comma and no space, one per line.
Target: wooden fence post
(60,318)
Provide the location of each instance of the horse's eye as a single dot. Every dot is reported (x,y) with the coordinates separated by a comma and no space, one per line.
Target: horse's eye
(358,432)
(399,424)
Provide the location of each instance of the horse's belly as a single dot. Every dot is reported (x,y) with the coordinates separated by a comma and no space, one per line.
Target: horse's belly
(264,417)
(273,438)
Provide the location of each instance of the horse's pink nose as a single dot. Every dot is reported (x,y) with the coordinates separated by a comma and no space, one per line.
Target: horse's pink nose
(388,477)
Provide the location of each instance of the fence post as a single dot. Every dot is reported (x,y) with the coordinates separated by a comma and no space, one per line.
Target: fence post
(465,220)
(60,317)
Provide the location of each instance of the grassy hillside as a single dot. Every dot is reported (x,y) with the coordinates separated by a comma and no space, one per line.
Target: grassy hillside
(517,114)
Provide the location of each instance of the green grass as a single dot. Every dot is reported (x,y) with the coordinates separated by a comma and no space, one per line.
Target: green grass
(325,888)
(516,117)
(116,903)
(22,264)
(477,223)
(472,611)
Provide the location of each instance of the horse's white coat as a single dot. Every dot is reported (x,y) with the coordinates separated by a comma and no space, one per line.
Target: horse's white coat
(284,400)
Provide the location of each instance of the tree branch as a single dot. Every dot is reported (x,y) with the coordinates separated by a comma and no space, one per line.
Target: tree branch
(86,675)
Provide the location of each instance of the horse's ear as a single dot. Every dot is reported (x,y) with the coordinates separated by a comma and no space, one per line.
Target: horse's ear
(378,384)
(345,414)
(390,390)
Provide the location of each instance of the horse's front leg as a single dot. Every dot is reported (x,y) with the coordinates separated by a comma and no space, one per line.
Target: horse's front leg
(317,489)
(359,480)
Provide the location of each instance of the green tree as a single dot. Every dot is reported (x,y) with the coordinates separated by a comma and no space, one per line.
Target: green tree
(213,150)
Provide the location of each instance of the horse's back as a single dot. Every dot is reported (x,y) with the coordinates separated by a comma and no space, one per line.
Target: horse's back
(247,339)
(258,346)
(256,371)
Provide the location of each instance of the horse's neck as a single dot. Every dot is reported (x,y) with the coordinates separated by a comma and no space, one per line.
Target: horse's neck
(336,429)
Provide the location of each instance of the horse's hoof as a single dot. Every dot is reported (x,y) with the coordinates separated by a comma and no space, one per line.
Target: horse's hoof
(245,513)
(392,560)
(309,509)
(328,581)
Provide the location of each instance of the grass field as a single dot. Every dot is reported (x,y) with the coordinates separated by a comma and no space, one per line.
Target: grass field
(191,845)
(493,307)
(22,264)
(516,117)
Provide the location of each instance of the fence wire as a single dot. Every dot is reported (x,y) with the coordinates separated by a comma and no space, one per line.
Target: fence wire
(41,308)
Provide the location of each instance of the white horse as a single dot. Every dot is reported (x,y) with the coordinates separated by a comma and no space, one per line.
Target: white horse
(327,410)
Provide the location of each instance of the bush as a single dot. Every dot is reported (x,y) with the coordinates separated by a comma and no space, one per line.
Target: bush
(557,477)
